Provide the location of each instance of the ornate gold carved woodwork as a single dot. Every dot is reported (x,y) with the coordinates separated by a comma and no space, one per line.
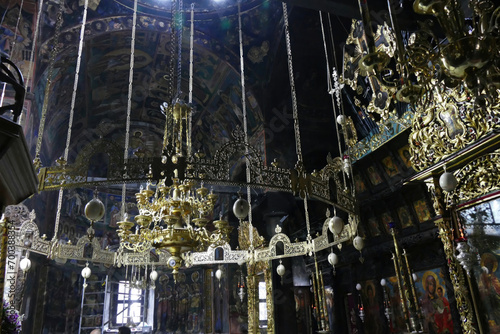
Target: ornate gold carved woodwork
(27,233)
(207,300)
(442,128)
(324,306)
(198,169)
(27,236)
(208,257)
(479,177)
(290,249)
(253,301)
(349,131)
(445,226)
(268,277)
(457,277)
(244,236)
(354,52)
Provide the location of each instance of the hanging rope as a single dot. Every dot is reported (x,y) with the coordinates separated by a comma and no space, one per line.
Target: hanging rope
(71,114)
(129,107)
(48,85)
(245,123)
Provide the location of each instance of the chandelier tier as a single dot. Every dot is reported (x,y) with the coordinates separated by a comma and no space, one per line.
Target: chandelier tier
(174,218)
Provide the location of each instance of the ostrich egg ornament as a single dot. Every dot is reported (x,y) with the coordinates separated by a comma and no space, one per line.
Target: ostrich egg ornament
(86,272)
(280,269)
(94,210)
(153,275)
(333,258)
(358,243)
(336,225)
(25,264)
(241,208)
(447,181)
(218,274)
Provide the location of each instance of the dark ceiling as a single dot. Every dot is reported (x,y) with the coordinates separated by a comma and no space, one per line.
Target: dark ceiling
(101,97)
(102,92)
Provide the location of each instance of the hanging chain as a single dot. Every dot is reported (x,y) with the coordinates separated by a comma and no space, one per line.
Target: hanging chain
(292,85)
(129,107)
(294,109)
(331,90)
(190,98)
(173,13)
(328,79)
(35,35)
(245,123)
(308,224)
(179,49)
(171,77)
(71,114)
(337,86)
(15,30)
(48,84)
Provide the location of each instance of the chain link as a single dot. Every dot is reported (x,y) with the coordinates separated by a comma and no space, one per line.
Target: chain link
(190,98)
(306,210)
(35,35)
(71,114)
(16,30)
(331,90)
(75,83)
(292,85)
(171,77)
(48,84)
(245,123)
(179,48)
(129,106)
(58,213)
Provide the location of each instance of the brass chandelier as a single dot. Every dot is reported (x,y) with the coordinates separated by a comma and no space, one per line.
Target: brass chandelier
(429,65)
(174,226)
(173,218)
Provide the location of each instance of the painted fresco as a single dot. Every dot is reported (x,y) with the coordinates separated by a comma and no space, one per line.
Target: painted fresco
(374,175)
(396,317)
(390,167)
(434,301)
(178,306)
(422,210)
(404,217)
(433,298)
(374,322)
(404,155)
(105,62)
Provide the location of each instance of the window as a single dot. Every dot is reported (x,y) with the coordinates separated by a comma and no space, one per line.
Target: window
(129,304)
(262,305)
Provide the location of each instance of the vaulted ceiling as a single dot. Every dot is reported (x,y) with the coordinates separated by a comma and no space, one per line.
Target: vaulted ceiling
(100,109)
